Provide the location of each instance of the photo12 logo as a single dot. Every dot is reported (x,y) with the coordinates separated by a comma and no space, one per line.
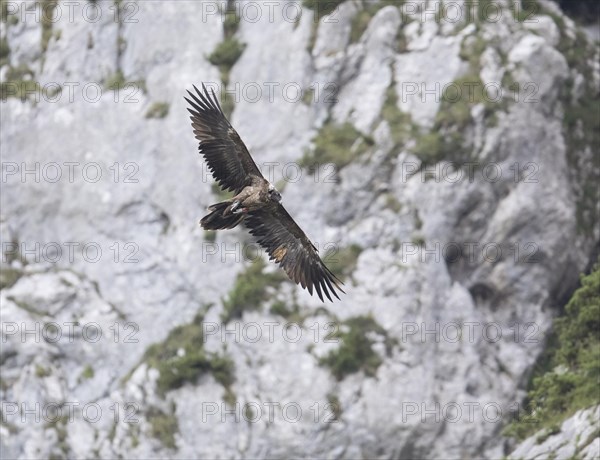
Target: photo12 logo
(55,252)
(70,11)
(291,92)
(69,332)
(15,413)
(472,252)
(69,171)
(475,412)
(469,332)
(270,412)
(252,332)
(470,171)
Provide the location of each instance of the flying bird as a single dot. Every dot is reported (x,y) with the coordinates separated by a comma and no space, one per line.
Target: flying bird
(257,203)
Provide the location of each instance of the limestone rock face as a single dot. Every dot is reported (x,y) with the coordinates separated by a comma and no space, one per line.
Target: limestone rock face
(472,222)
(578,436)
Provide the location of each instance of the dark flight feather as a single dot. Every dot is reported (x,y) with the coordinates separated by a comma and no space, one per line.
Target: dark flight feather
(227,157)
(288,245)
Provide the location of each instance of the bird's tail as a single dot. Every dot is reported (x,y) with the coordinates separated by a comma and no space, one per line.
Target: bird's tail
(218,219)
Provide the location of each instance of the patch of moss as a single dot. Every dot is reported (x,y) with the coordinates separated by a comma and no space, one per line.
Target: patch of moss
(11,428)
(3,10)
(337,144)
(458,99)
(52,329)
(418,220)
(481,11)
(188,368)
(47,14)
(401,126)
(590,439)
(322,7)
(429,148)
(231,22)
(41,371)
(163,426)
(227,104)
(9,276)
(25,306)
(567,379)
(181,358)
(210,236)
(225,55)
(112,432)
(18,73)
(510,83)
(360,22)
(401,39)
(280,308)
(486,9)
(292,314)
(342,261)
(418,240)
(59,424)
(158,110)
(446,139)
(551,431)
(229,397)
(355,352)
(19,83)
(526,10)
(134,435)
(117,82)
(221,367)
(312,39)
(308,96)
(334,406)
(4,51)
(121,42)
(392,203)
(250,290)
(87,373)
(6,16)
(248,413)
(471,49)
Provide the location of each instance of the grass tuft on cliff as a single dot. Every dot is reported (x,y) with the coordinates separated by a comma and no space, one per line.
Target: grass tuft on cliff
(355,352)
(181,358)
(337,144)
(250,290)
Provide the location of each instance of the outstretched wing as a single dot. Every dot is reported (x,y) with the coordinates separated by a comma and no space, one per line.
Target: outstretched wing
(228,158)
(289,246)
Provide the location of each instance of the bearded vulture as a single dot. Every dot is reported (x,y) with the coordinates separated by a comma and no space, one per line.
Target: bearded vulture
(256,203)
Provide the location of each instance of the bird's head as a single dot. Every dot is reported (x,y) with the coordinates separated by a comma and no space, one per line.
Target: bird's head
(274,193)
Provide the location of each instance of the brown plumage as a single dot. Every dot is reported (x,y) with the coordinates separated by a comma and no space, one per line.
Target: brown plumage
(256,202)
